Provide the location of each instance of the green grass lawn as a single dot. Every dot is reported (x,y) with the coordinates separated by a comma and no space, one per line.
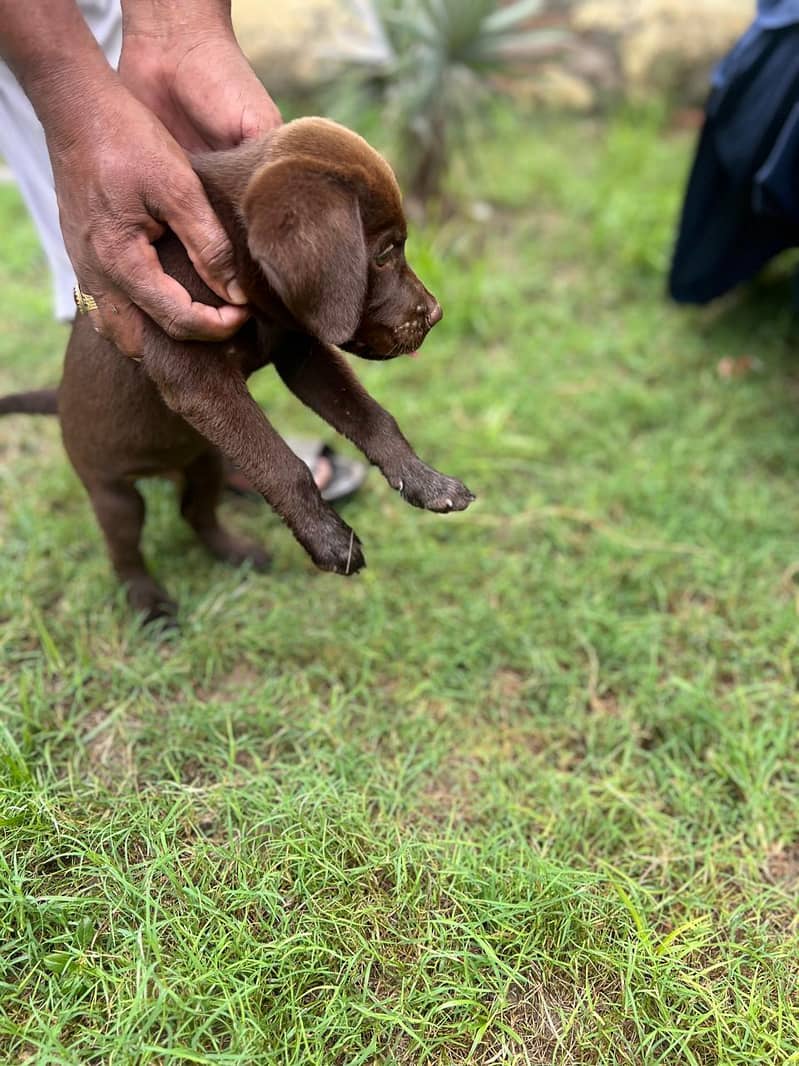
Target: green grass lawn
(527,790)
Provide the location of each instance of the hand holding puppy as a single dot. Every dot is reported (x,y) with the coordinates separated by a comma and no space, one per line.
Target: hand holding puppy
(118,148)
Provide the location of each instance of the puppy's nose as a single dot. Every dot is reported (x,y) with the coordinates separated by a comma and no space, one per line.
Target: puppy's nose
(435,314)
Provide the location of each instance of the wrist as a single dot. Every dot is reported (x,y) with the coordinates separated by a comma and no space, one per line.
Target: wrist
(71,96)
(176,22)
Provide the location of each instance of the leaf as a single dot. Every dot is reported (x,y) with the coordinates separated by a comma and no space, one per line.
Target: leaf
(702,922)
(84,932)
(508,17)
(58,962)
(445,50)
(526,44)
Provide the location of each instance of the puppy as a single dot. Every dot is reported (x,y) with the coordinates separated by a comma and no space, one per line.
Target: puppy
(315,216)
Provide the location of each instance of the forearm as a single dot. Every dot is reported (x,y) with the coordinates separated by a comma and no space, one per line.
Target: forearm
(324,381)
(167,19)
(55,58)
(117,149)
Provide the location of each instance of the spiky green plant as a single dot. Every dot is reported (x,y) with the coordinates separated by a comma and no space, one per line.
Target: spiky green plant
(446,52)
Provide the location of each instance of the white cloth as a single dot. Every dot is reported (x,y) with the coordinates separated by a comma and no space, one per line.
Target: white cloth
(23,147)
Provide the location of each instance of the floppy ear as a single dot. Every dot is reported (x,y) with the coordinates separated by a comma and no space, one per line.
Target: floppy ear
(304,230)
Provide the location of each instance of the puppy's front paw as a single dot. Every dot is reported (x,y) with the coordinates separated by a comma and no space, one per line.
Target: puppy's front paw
(424,487)
(333,546)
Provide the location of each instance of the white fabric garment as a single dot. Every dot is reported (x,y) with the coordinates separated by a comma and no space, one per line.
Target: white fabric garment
(23,147)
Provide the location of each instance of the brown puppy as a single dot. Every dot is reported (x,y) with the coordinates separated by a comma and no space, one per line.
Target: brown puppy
(316,219)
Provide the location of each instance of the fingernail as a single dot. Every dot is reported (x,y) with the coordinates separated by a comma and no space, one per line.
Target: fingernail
(236,294)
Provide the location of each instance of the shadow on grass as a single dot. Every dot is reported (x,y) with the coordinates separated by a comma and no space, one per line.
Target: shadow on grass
(747,320)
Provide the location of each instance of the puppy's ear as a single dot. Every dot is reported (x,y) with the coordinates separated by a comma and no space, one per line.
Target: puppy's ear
(304,230)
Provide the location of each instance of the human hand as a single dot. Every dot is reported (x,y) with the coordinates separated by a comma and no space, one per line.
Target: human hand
(202,88)
(121,179)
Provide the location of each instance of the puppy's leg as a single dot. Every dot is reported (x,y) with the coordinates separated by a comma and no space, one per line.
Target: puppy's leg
(201,493)
(120,511)
(323,380)
(210,393)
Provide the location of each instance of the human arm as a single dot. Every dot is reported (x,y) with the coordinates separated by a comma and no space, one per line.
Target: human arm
(182,60)
(120,178)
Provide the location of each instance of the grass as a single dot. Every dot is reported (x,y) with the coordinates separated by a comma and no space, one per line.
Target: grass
(525,792)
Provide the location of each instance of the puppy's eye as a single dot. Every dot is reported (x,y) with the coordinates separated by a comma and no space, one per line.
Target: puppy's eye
(383,257)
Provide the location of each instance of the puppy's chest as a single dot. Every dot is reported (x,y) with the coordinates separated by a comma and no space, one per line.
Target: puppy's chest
(245,351)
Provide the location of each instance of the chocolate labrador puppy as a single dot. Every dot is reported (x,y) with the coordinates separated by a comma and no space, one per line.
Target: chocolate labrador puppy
(315,215)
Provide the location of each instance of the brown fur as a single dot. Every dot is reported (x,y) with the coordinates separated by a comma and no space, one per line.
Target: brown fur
(309,208)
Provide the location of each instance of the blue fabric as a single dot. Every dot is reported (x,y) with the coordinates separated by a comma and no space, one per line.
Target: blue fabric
(742,202)
(771,15)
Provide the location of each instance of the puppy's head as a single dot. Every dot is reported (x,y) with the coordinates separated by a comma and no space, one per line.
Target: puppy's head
(325,225)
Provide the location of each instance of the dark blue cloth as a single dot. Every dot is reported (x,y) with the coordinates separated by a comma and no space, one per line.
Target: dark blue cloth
(742,202)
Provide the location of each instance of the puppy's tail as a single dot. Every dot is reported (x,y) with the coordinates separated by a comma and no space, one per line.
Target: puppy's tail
(43,402)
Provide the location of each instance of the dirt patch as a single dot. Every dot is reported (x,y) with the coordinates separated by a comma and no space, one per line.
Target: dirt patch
(244,677)
(108,741)
(508,686)
(540,1026)
(781,866)
(448,794)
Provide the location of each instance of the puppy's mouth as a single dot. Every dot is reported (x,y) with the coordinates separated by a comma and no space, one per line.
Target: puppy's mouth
(366,351)
(390,343)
